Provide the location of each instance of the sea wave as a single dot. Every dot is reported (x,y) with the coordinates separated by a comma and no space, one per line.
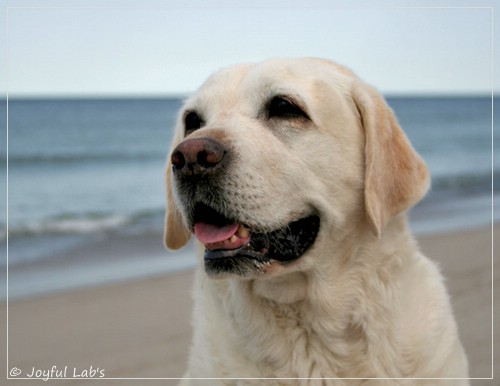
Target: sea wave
(72,158)
(141,220)
(75,224)
(467,183)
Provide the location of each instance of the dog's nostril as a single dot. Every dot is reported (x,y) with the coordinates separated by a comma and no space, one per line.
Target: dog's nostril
(202,158)
(209,158)
(178,160)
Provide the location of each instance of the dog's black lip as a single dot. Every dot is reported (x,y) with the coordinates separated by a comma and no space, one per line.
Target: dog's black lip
(244,251)
(284,245)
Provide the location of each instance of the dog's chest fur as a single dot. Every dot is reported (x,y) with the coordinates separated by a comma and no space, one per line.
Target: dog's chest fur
(363,321)
(293,339)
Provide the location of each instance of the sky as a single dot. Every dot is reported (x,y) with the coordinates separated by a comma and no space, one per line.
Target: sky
(161,47)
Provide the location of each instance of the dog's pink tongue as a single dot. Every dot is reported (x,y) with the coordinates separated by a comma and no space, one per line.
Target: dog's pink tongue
(209,233)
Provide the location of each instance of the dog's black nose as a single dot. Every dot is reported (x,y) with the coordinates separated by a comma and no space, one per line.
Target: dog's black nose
(198,156)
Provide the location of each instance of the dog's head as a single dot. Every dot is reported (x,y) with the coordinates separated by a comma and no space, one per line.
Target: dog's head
(270,159)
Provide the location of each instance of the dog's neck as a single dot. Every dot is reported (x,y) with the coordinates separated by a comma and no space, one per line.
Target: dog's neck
(288,289)
(296,304)
(345,261)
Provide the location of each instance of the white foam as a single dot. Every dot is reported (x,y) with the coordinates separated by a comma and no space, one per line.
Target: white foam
(75,225)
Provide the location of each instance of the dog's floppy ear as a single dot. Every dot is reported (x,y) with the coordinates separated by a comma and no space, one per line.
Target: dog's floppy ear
(396,177)
(176,234)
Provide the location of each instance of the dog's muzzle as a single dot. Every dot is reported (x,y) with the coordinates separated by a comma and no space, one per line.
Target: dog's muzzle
(230,245)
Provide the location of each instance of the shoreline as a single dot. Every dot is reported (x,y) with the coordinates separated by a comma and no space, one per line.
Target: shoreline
(141,328)
(114,259)
(123,256)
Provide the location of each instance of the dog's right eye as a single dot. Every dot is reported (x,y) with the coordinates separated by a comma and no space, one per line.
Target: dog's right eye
(283,107)
(192,122)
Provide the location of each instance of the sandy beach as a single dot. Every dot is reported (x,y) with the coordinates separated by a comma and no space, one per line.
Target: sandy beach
(141,328)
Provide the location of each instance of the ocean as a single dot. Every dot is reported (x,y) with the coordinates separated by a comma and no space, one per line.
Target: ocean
(86,196)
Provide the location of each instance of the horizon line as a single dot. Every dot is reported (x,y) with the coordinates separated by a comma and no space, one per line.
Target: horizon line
(183,95)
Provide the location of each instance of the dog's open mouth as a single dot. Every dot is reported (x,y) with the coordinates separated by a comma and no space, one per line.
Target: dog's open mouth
(227,242)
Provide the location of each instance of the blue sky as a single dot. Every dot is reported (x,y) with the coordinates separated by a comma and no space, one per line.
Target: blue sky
(155,47)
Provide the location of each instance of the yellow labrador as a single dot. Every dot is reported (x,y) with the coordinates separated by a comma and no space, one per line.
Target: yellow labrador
(295,177)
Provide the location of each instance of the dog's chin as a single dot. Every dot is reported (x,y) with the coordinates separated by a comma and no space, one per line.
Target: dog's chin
(234,249)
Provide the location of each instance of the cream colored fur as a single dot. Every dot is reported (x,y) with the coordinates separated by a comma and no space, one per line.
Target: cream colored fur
(363,302)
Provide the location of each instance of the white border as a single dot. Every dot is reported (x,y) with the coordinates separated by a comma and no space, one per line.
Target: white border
(7,73)
(492,194)
(7,65)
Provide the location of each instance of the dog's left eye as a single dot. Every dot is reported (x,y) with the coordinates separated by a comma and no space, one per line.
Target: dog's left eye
(281,107)
(192,122)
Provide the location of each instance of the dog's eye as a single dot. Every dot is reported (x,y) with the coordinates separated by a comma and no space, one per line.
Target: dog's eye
(281,107)
(192,122)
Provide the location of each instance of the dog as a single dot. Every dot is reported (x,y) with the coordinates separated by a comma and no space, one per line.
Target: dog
(295,178)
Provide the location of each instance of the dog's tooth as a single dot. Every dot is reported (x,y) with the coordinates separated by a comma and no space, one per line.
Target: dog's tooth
(243,232)
(233,238)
